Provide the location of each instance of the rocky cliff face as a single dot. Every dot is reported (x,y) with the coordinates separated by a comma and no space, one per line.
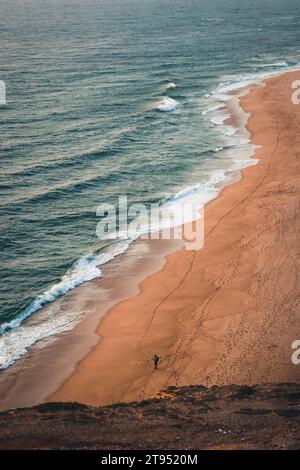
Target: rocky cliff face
(230,417)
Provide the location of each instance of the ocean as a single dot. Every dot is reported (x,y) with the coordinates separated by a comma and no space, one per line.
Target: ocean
(107,98)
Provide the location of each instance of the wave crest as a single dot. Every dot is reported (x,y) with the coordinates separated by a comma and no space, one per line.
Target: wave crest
(167,105)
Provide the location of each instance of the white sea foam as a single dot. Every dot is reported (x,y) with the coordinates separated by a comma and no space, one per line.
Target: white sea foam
(219,118)
(83,270)
(283,63)
(170,86)
(15,343)
(218,98)
(166,105)
(229,130)
(203,192)
(232,83)
(215,107)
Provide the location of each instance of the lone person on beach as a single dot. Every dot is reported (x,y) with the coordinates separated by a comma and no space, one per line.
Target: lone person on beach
(156,360)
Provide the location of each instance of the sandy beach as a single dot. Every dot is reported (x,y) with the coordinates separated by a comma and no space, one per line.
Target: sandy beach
(226,314)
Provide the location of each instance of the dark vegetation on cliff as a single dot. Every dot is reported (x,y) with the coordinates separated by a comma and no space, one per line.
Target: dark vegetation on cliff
(195,417)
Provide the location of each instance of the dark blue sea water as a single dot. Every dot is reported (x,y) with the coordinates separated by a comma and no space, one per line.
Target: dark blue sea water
(90,116)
